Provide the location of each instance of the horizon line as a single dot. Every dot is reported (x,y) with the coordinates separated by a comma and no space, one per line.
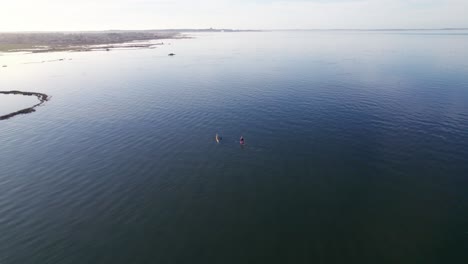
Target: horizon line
(239,30)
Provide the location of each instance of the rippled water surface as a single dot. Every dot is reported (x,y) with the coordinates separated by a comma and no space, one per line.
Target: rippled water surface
(356,151)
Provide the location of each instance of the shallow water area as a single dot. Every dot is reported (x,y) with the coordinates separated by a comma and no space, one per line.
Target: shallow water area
(13,103)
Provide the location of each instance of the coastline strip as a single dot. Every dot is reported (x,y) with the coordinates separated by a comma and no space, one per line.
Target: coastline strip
(40,96)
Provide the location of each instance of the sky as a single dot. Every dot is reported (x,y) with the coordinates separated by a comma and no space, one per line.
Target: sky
(67,15)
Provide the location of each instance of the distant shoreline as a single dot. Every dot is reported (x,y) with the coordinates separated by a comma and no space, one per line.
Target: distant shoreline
(80,41)
(49,41)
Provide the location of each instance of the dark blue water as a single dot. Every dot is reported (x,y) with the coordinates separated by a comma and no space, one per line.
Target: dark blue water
(356,152)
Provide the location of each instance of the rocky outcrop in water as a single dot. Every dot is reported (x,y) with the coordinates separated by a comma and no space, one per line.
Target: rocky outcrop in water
(40,96)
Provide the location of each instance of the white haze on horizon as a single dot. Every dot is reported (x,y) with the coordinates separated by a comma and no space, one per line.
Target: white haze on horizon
(63,15)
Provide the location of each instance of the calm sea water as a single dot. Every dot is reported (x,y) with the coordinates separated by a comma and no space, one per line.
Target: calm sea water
(356,151)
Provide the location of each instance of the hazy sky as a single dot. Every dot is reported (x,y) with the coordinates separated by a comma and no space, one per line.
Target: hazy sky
(242,14)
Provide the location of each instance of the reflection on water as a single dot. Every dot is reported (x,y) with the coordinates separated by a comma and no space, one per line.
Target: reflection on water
(356,149)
